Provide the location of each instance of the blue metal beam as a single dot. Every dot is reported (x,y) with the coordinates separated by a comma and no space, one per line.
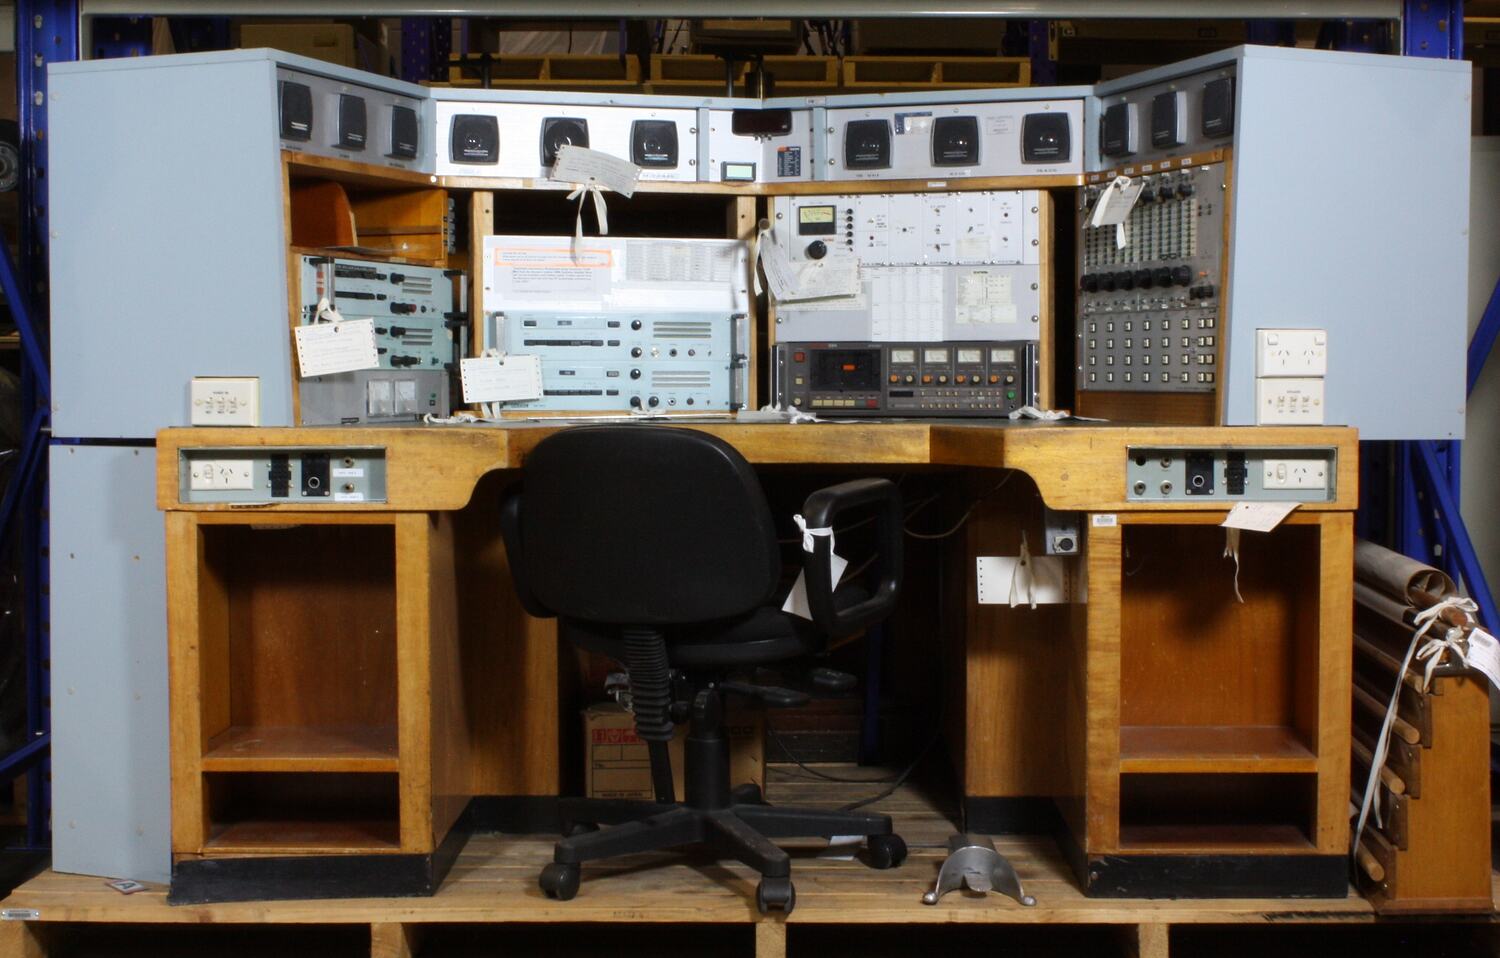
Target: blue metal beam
(1484,337)
(46,32)
(1433,28)
(1039,46)
(1430,473)
(21,760)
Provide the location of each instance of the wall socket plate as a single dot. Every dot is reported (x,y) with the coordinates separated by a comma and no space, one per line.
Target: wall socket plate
(1289,402)
(225,401)
(226,474)
(1294,474)
(1293,353)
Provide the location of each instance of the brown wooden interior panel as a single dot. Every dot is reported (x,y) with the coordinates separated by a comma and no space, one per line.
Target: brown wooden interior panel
(311,623)
(212,627)
(321,215)
(302,812)
(1101,733)
(406,223)
(1168,409)
(1326,690)
(1236,810)
(1020,685)
(451,737)
(414,547)
(189,581)
(1190,653)
(510,664)
(1046,318)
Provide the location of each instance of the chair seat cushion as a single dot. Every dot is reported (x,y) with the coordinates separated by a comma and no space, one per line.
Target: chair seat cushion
(763,636)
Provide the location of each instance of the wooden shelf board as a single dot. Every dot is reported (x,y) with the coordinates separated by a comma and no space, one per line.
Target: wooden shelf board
(303,837)
(300,749)
(368,175)
(1192,839)
(1213,749)
(818,187)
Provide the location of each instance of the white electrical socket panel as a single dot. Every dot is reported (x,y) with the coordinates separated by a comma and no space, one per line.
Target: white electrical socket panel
(1294,474)
(1292,353)
(221,474)
(226,401)
(1289,402)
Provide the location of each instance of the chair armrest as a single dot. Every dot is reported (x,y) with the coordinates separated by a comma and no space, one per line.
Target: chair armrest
(821,510)
(510,531)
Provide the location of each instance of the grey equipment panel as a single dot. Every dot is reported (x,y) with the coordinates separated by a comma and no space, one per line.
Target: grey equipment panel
(111,794)
(924,380)
(1148,312)
(255,475)
(933,266)
(622,360)
(420,334)
(1299,474)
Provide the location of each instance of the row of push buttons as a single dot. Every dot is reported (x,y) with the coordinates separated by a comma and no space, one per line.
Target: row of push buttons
(942,379)
(1146,377)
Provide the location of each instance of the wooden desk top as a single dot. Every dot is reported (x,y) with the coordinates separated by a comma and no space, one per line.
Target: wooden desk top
(1076,466)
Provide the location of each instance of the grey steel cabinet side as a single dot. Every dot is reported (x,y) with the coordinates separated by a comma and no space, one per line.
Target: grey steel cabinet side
(168,246)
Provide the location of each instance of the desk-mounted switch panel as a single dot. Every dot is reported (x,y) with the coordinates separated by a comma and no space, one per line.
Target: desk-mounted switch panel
(1231,475)
(254,476)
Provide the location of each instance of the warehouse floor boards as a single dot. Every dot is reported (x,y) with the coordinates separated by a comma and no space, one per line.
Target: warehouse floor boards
(665,904)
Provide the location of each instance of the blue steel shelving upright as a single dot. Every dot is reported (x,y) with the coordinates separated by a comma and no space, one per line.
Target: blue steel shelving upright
(46,31)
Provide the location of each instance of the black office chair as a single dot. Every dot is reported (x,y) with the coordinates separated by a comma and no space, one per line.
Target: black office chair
(655,546)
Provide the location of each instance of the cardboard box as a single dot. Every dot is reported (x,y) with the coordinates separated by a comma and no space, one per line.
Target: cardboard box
(336,43)
(617,765)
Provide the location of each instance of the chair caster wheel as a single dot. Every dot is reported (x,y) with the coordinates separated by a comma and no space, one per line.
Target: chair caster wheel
(747,794)
(886,851)
(578,828)
(775,893)
(560,880)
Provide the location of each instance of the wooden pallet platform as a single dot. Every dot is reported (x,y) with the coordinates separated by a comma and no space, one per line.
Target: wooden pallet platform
(493,886)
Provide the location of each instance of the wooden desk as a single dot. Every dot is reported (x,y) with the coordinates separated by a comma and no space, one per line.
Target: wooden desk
(1156,702)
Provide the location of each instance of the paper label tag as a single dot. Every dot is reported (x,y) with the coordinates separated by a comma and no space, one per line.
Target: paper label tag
(348,497)
(1039,580)
(1258,516)
(577,164)
(501,379)
(1104,520)
(837,276)
(781,277)
(1484,655)
(829,277)
(325,348)
(355,472)
(1115,203)
(796,600)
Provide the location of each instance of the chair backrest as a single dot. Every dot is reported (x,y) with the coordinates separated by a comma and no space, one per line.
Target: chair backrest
(644,525)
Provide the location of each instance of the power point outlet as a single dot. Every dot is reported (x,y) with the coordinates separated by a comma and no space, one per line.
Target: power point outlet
(1294,474)
(1289,402)
(221,474)
(1291,352)
(226,401)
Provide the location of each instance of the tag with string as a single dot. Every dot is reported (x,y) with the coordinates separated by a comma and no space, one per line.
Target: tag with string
(1232,551)
(796,600)
(592,172)
(333,344)
(761,230)
(1484,655)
